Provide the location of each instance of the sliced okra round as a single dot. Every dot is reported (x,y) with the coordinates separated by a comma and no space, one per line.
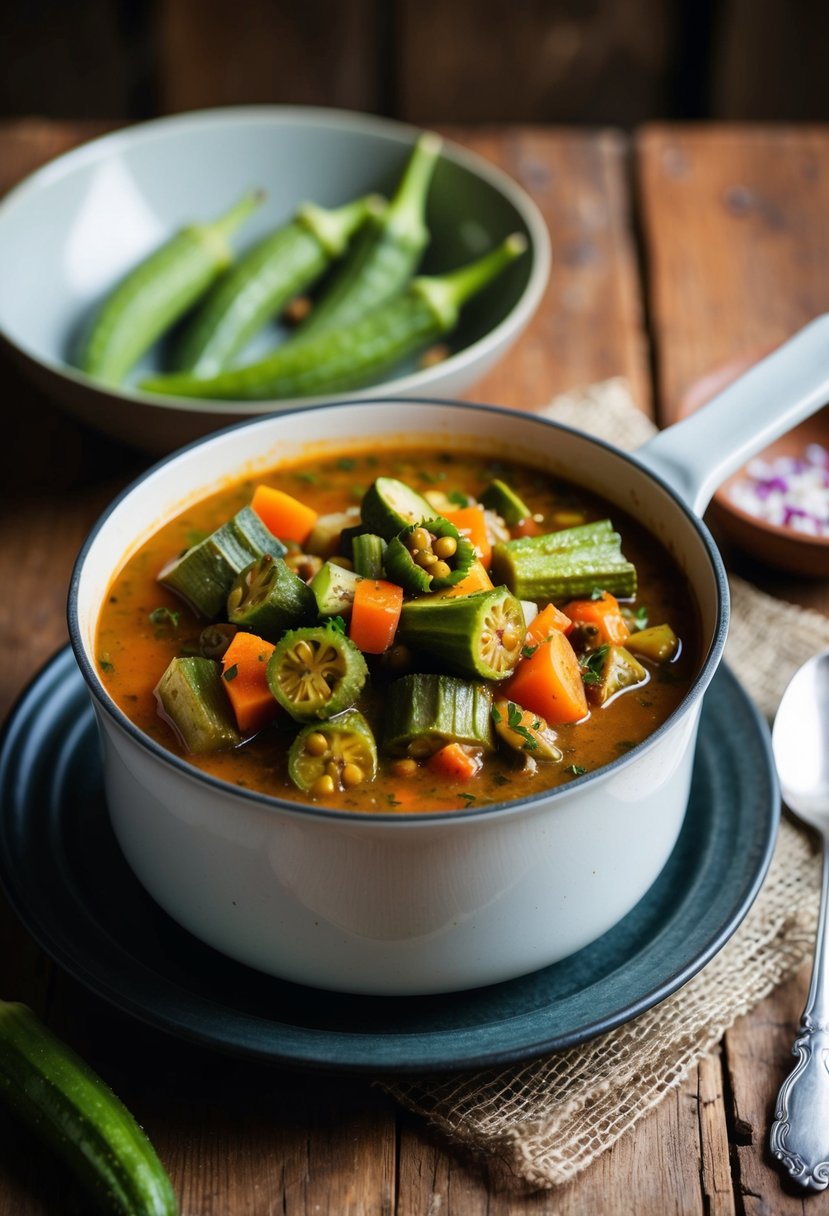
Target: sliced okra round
(327,757)
(316,672)
(427,556)
(268,597)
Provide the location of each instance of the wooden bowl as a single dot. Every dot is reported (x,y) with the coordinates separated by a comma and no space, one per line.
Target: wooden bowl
(772,544)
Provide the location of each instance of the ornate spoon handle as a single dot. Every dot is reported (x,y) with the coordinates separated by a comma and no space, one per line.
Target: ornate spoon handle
(800,1131)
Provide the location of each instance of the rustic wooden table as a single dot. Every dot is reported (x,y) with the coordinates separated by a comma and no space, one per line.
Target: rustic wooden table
(675,250)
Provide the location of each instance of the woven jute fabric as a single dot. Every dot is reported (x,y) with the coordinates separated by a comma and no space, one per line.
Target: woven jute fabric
(540,1123)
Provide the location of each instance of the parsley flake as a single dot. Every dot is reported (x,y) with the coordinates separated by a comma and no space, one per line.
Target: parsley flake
(575,769)
(592,664)
(165,616)
(232,672)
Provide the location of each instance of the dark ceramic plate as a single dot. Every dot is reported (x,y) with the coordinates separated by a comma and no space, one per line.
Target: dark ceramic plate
(66,878)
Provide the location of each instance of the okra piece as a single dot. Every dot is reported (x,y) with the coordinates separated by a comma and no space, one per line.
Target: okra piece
(267,598)
(658,643)
(478,635)
(428,556)
(316,672)
(333,589)
(255,290)
(328,757)
(565,565)
(358,354)
(525,732)
(390,505)
(192,699)
(204,574)
(424,712)
(158,292)
(503,500)
(609,671)
(367,552)
(385,253)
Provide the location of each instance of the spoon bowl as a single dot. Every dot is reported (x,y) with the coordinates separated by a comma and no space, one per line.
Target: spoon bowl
(800,742)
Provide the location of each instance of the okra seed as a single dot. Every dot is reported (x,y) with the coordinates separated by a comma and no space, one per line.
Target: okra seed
(424,559)
(332,770)
(407,767)
(445,546)
(304,653)
(420,539)
(509,636)
(441,570)
(323,785)
(352,775)
(316,744)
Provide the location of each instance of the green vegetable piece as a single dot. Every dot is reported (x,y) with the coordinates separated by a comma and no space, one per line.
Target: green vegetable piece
(267,598)
(316,672)
(565,565)
(525,732)
(478,635)
(503,500)
(367,551)
(658,643)
(279,267)
(390,505)
(425,712)
(333,589)
(325,538)
(204,574)
(428,556)
(357,354)
(48,1086)
(385,254)
(613,670)
(157,293)
(336,749)
(192,699)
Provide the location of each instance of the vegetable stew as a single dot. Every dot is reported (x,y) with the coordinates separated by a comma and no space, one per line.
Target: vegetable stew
(399,631)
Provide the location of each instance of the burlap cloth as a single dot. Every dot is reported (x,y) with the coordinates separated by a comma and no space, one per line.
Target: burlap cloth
(538,1124)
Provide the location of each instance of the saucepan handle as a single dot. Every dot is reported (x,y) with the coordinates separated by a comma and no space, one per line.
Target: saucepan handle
(695,456)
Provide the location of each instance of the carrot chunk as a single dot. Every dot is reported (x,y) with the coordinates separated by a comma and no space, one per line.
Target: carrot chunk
(549,620)
(282,514)
(471,522)
(549,682)
(243,667)
(375,614)
(604,614)
(454,763)
(475,579)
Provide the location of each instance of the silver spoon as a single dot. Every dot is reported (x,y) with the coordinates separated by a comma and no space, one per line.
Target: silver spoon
(800,741)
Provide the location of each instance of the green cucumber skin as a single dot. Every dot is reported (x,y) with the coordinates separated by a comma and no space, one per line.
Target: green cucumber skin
(204,575)
(67,1104)
(502,499)
(193,701)
(600,532)
(440,708)
(556,577)
(447,630)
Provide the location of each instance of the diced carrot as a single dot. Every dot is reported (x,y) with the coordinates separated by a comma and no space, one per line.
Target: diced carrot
(549,682)
(548,620)
(375,614)
(604,613)
(471,522)
(243,666)
(282,514)
(454,763)
(475,579)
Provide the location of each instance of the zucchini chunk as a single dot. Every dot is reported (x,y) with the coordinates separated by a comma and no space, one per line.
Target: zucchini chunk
(267,598)
(609,671)
(335,755)
(333,589)
(503,500)
(565,565)
(425,712)
(478,635)
(390,505)
(316,672)
(428,556)
(46,1085)
(203,575)
(192,699)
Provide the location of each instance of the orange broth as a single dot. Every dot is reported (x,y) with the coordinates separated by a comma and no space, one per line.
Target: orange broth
(132,652)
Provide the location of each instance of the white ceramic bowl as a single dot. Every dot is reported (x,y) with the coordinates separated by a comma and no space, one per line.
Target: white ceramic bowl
(72,229)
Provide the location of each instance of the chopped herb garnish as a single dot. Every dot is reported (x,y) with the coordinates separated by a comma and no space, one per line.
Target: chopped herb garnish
(496,715)
(470,798)
(597,593)
(640,617)
(106,664)
(591,665)
(231,673)
(392,801)
(431,478)
(575,769)
(500,779)
(515,722)
(346,463)
(310,479)
(458,498)
(165,616)
(337,623)
(528,651)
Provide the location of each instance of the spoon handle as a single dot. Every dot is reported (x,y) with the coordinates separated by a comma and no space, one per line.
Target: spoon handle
(800,1131)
